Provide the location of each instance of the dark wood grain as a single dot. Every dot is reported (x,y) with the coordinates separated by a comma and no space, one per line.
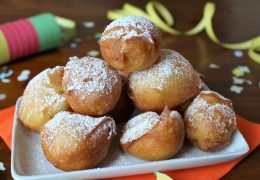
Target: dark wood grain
(234,21)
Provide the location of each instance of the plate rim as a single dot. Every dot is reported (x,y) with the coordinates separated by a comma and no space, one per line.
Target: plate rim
(65,174)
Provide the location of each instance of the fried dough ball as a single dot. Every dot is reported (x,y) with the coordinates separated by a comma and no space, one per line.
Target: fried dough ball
(125,106)
(130,43)
(210,121)
(74,142)
(91,86)
(43,98)
(152,137)
(171,81)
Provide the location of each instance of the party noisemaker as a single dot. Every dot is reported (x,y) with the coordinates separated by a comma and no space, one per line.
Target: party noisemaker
(32,35)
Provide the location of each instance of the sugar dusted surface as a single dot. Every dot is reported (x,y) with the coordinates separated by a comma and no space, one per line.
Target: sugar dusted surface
(90,75)
(206,111)
(29,159)
(76,125)
(139,126)
(176,115)
(41,90)
(128,27)
(171,65)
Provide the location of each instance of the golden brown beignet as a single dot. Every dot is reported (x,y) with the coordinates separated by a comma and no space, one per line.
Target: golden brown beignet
(125,106)
(91,86)
(43,98)
(74,142)
(130,43)
(210,121)
(152,137)
(171,81)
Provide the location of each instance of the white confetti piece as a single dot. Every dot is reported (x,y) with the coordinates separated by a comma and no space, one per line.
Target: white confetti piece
(77,40)
(5,80)
(236,89)
(244,69)
(214,66)
(241,81)
(2,168)
(2,97)
(73,45)
(238,54)
(24,75)
(88,24)
(93,53)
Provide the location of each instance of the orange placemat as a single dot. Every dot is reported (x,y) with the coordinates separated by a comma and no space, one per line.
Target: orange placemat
(251,132)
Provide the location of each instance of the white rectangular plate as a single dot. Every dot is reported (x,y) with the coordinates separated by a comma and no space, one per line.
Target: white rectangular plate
(28,160)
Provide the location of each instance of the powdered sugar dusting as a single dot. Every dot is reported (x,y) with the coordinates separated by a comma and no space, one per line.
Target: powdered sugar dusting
(46,90)
(207,111)
(76,125)
(170,65)
(213,92)
(90,75)
(130,26)
(175,114)
(139,125)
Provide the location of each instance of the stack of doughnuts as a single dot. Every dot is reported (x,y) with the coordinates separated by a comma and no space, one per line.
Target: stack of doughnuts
(76,108)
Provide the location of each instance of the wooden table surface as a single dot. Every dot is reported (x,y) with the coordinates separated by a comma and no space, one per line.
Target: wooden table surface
(234,21)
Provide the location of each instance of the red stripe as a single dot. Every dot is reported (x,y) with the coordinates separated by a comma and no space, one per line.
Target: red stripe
(10,40)
(34,36)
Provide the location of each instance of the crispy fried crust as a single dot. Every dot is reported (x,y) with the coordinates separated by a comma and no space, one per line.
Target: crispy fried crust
(171,81)
(42,99)
(91,86)
(162,142)
(70,154)
(133,53)
(210,121)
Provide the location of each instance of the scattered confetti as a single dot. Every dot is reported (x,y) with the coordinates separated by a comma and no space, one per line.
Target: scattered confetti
(98,35)
(161,176)
(2,167)
(238,54)
(73,45)
(240,71)
(5,80)
(2,97)
(241,81)
(88,24)
(93,53)
(78,40)
(236,89)
(24,75)
(5,72)
(214,66)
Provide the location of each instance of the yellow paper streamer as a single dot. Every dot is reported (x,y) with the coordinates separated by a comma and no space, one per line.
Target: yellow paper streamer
(67,24)
(156,10)
(161,176)
(4,50)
